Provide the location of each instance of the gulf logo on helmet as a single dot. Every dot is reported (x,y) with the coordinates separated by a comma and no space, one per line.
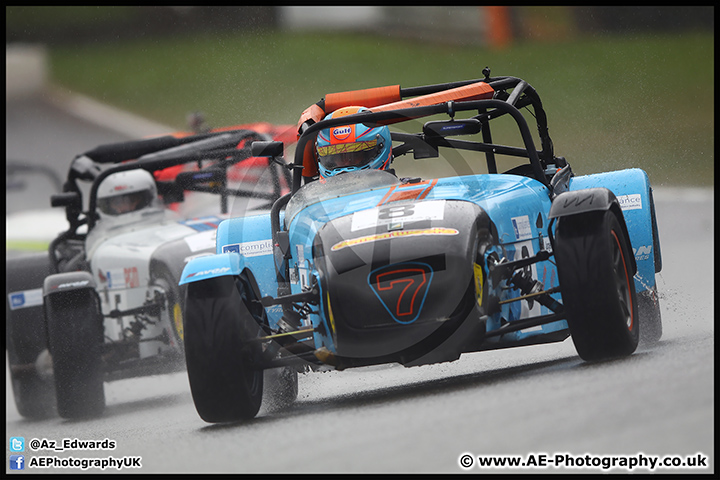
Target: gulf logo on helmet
(342,133)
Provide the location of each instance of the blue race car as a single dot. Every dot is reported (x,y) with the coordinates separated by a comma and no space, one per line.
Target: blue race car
(361,264)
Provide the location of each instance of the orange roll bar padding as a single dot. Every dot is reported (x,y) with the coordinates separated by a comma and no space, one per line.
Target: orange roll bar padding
(310,163)
(314,112)
(474,91)
(369,97)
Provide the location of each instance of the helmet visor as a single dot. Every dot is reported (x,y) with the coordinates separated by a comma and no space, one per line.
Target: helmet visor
(356,154)
(125,203)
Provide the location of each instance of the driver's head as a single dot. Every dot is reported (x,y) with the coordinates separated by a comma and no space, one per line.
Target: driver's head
(126,192)
(348,148)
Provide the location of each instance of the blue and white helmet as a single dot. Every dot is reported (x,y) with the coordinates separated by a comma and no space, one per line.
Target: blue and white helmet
(348,148)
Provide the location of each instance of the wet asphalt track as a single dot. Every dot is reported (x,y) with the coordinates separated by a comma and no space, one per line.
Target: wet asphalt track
(532,400)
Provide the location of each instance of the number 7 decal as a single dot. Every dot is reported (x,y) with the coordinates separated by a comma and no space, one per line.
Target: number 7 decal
(402,289)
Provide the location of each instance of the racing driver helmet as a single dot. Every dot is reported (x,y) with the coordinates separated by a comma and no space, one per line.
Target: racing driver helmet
(126,192)
(348,148)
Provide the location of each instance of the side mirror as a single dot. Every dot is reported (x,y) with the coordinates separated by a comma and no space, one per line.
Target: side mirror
(267,149)
(69,199)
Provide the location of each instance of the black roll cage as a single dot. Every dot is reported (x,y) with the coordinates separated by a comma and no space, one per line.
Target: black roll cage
(502,103)
(213,152)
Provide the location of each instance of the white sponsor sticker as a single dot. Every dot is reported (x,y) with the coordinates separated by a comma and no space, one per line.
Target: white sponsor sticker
(521,226)
(546,244)
(250,249)
(201,241)
(630,202)
(25,298)
(395,214)
(212,271)
(643,252)
(114,278)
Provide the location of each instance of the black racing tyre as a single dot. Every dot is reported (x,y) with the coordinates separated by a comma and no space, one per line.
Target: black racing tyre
(225,384)
(161,277)
(34,395)
(75,338)
(25,336)
(593,259)
(650,319)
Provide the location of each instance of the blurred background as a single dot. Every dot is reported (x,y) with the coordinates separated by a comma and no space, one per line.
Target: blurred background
(623,86)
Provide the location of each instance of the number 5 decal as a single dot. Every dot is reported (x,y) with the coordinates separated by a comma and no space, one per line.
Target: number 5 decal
(402,289)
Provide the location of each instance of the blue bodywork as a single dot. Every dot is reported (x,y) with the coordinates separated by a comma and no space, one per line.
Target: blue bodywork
(516,205)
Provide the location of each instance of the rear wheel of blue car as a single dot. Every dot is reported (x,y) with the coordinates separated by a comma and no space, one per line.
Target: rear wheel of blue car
(593,260)
(75,338)
(225,383)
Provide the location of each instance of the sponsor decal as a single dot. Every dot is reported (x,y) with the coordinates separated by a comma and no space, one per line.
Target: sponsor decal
(630,202)
(25,299)
(642,253)
(402,289)
(477,270)
(78,284)
(250,249)
(394,234)
(132,279)
(234,248)
(212,271)
(397,214)
(521,227)
(114,278)
(202,223)
(341,133)
(120,277)
(546,244)
(204,240)
(409,191)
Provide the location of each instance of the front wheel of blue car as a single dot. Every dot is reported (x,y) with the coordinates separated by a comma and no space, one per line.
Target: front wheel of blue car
(593,260)
(225,384)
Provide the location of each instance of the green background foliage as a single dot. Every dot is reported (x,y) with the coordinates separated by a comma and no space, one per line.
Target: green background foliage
(613,101)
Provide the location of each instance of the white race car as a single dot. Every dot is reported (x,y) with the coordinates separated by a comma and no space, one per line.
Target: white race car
(103,302)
